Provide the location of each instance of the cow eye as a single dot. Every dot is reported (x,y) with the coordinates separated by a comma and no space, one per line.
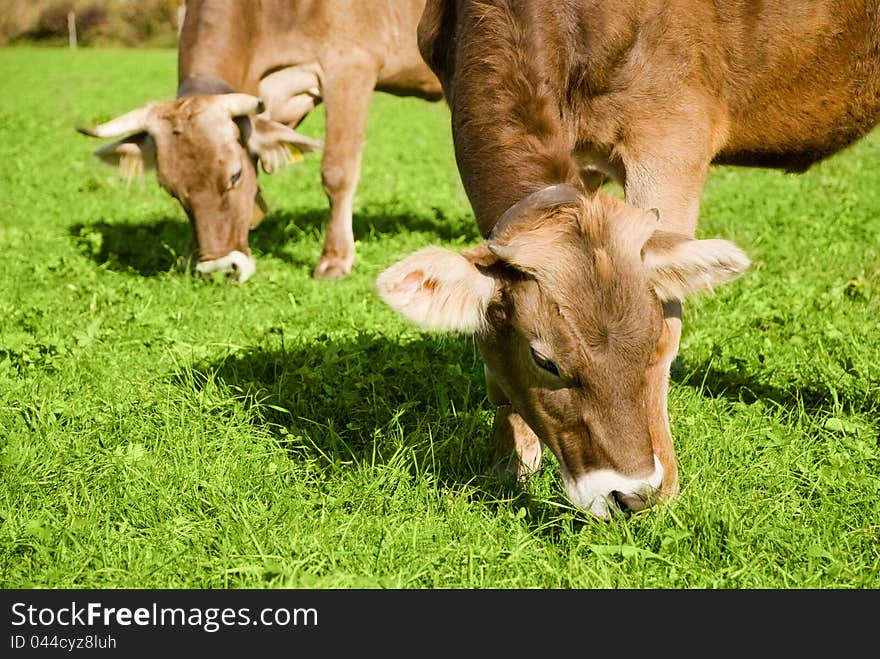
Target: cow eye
(544,363)
(234,178)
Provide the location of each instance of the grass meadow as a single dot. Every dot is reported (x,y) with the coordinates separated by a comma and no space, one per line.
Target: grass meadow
(162,431)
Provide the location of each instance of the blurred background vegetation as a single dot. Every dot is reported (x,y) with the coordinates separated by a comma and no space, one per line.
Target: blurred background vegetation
(98,22)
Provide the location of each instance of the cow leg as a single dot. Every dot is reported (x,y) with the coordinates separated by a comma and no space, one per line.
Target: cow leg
(517,449)
(675,190)
(347,104)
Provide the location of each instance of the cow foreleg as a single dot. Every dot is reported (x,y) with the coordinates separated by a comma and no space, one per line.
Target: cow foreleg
(347,103)
(517,447)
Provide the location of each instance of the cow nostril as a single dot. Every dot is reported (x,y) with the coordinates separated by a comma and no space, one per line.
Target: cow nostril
(235,266)
(628,502)
(632,502)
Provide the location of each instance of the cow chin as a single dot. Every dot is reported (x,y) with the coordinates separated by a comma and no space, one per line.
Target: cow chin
(240,266)
(604,490)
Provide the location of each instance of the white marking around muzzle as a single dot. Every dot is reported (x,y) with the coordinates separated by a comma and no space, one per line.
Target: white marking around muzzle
(595,491)
(241,264)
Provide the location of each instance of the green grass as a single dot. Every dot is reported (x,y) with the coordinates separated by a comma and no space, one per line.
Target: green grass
(160,431)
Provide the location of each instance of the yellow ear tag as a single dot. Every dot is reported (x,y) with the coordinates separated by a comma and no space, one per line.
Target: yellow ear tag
(294,154)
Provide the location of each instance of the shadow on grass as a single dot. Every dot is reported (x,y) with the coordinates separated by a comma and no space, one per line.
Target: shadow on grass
(365,398)
(282,226)
(368,400)
(145,248)
(156,246)
(739,386)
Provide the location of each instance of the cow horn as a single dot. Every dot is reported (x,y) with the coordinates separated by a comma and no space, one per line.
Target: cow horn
(242,104)
(130,122)
(561,194)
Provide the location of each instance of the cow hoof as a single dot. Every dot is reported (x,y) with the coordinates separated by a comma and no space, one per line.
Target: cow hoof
(333,267)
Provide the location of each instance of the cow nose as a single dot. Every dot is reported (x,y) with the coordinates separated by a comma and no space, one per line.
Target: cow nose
(630,501)
(239,265)
(603,491)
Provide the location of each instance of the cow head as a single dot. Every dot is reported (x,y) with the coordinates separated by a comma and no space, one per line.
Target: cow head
(205,151)
(565,300)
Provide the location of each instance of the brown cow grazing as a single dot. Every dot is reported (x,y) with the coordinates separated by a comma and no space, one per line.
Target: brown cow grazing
(249,72)
(575,296)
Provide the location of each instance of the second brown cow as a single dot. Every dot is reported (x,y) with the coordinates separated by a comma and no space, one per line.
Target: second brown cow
(250,72)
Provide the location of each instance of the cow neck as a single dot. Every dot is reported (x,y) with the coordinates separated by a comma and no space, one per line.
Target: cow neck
(506,126)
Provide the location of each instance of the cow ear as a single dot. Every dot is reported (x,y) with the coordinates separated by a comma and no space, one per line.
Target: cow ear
(133,155)
(276,144)
(678,265)
(439,289)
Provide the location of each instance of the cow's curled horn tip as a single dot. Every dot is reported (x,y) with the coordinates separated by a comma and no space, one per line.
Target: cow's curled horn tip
(503,252)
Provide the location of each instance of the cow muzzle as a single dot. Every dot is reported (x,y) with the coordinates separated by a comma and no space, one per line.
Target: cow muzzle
(604,491)
(238,265)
